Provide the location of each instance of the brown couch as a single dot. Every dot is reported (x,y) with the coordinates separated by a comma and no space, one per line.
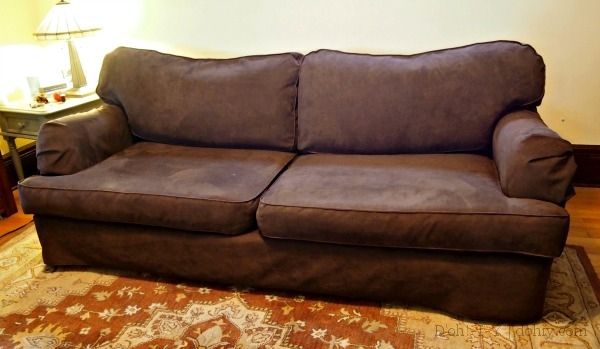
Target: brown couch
(427,180)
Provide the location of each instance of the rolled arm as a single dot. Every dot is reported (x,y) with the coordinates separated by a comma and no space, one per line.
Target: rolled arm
(72,143)
(532,160)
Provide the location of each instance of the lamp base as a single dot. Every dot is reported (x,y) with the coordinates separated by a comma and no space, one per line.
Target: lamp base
(80,92)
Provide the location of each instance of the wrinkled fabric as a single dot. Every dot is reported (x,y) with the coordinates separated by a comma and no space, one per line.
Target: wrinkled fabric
(72,143)
(491,287)
(440,101)
(533,161)
(246,102)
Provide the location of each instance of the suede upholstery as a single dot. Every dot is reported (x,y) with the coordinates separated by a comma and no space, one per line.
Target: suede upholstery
(448,201)
(198,189)
(365,104)
(486,286)
(533,161)
(180,100)
(64,146)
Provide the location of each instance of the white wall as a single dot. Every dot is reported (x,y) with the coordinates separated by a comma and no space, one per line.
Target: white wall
(565,33)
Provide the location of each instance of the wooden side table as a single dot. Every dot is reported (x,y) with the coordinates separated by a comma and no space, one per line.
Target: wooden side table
(19,120)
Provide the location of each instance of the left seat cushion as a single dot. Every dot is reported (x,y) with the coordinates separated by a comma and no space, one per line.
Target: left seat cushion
(189,188)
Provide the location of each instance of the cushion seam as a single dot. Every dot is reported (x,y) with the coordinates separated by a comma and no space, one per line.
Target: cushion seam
(521,251)
(261,202)
(141,194)
(126,221)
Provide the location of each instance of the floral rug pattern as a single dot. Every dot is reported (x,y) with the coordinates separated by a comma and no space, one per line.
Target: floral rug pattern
(92,308)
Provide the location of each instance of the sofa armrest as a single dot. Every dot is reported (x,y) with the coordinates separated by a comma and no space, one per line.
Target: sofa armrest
(72,143)
(532,160)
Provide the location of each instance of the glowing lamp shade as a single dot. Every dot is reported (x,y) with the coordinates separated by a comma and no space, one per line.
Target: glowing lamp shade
(65,22)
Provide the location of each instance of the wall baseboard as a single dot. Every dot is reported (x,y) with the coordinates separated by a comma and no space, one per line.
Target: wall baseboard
(587,158)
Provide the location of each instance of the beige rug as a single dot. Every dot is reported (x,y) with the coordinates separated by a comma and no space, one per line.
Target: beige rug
(103,309)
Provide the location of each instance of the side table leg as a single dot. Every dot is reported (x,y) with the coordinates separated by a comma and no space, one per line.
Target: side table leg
(14,154)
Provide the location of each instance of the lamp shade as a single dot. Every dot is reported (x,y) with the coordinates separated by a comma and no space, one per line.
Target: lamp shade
(64,22)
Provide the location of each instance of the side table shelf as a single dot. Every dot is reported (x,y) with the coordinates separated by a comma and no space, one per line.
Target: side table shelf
(19,120)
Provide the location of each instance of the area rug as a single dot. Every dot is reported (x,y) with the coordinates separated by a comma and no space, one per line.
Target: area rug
(92,308)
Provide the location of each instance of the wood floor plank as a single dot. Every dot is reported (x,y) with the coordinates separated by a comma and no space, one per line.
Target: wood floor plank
(591,245)
(15,221)
(584,209)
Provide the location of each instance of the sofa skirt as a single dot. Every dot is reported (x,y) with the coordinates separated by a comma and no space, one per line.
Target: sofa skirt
(497,287)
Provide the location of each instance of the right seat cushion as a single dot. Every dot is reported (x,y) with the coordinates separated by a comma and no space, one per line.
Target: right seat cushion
(436,201)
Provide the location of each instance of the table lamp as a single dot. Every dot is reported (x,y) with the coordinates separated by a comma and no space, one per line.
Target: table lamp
(62,23)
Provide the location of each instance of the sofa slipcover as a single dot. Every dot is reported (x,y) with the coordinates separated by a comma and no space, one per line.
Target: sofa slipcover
(490,286)
(190,188)
(437,201)
(64,145)
(442,186)
(533,161)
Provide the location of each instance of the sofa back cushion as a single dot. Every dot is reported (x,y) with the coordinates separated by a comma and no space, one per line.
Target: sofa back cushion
(246,102)
(440,101)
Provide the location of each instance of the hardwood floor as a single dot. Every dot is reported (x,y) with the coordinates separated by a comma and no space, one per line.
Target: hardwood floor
(585,222)
(9,226)
(584,209)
